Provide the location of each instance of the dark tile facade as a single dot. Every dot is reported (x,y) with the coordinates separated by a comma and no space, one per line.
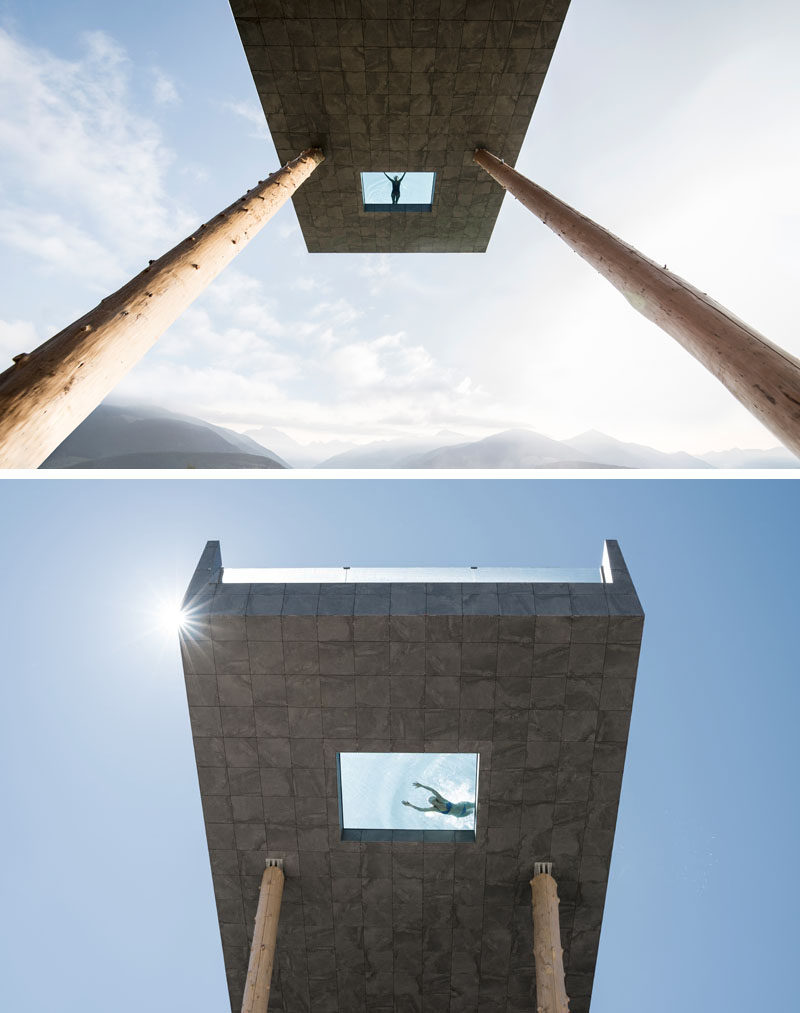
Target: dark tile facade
(539,679)
(391,85)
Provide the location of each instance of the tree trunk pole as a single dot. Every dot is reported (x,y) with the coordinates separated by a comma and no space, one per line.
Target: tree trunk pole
(262,951)
(50,391)
(551,992)
(761,375)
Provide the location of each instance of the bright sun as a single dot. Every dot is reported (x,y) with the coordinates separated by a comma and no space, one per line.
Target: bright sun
(171,617)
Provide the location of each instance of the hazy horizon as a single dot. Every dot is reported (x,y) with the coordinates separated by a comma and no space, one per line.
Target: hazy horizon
(589,449)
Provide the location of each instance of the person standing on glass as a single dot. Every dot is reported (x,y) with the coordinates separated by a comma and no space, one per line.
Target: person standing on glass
(395,181)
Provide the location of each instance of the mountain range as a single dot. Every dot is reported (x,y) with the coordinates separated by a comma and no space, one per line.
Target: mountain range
(139,436)
(523,448)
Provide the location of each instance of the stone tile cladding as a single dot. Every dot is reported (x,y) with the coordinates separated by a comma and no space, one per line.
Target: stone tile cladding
(385,85)
(539,679)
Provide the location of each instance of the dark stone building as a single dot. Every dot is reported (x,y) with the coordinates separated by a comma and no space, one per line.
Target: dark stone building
(536,675)
(398,86)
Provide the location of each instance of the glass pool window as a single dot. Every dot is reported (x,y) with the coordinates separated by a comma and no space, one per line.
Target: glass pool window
(397,190)
(408,796)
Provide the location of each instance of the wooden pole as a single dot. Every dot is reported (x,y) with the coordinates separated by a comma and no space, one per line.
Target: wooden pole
(262,950)
(761,375)
(551,992)
(49,391)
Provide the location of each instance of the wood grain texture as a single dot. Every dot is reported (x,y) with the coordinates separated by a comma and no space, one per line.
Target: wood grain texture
(551,993)
(262,951)
(760,374)
(50,391)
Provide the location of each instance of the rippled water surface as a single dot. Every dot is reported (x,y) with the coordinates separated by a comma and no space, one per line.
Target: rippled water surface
(374,785)
(415,188)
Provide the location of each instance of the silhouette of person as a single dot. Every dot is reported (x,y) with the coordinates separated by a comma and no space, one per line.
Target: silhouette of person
(395,181)
(439,804)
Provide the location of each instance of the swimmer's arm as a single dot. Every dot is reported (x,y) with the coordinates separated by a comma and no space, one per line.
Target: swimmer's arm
(433,791)
(418,808)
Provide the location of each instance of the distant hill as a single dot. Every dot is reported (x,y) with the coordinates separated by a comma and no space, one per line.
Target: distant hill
(389,453)
(515,448)
(139,436)
(777,457)
(177,459)
(596,446)
(299,455)
(523,448)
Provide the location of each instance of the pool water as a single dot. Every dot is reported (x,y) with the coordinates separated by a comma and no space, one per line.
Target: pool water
(374,785)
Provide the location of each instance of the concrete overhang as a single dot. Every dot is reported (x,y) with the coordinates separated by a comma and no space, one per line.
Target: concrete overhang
(398,85)
(536,676)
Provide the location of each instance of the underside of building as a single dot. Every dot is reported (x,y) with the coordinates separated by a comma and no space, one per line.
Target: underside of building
(398,87)
(533,671)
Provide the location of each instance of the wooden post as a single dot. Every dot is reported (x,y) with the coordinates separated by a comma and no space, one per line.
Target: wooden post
(262,950)
(49,391)
(551,992)
(761,375)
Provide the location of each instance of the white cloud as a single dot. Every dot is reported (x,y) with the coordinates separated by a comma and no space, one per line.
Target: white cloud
(56,242)
(357,365)
(16,336)
(198,173)
(339,312)
(349,362)
(222,344)
(385,275)
(229,360)
(70,142)
(251,113)
(242,299)
(165,92)
(242,377)
(376,268)
(307,283)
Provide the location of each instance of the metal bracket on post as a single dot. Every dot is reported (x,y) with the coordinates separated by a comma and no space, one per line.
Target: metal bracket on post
(551,992)
(265,933)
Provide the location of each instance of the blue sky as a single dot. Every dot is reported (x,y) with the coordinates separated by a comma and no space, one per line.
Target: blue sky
(105,880)
(126,124)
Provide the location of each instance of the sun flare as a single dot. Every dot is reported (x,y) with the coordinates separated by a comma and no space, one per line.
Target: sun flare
(172,617)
